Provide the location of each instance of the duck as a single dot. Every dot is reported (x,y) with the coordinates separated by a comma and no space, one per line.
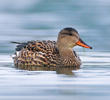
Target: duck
(48,53)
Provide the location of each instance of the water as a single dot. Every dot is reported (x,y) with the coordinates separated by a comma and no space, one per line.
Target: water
(23,20)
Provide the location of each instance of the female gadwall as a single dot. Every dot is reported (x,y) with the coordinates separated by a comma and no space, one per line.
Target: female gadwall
(51,53)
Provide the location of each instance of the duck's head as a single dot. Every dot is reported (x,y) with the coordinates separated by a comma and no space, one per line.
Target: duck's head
(69,37)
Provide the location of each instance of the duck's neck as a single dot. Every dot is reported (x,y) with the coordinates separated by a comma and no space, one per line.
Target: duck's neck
(66,53)
(69,57)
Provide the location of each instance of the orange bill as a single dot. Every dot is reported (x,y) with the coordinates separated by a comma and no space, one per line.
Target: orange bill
(83,44)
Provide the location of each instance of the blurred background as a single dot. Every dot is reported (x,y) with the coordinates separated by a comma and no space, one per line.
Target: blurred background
(23,20)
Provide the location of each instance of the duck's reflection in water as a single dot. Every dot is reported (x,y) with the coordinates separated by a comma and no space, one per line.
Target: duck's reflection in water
(59,70)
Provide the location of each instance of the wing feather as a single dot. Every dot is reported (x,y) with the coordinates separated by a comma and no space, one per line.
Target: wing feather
(37,53)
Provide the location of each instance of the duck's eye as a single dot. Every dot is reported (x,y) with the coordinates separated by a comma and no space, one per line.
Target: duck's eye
(70,34)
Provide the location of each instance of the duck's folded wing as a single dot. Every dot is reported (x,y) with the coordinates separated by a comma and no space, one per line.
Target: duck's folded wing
(37,52)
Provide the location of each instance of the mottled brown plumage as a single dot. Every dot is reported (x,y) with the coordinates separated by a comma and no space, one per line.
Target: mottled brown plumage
(50,53)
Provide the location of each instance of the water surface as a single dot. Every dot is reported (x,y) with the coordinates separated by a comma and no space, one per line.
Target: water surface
(43,19)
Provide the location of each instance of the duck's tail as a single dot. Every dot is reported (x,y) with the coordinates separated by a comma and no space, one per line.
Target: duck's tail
(16,42)
(20,45)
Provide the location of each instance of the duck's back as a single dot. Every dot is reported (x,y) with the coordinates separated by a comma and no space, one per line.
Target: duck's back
(36,53)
